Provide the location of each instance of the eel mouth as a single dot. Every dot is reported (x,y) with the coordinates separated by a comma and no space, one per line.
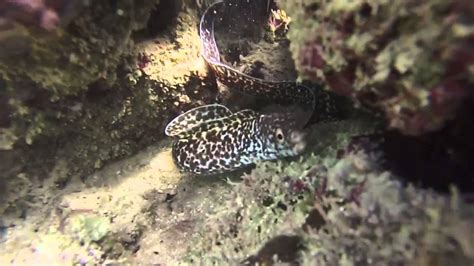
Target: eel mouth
(297,139)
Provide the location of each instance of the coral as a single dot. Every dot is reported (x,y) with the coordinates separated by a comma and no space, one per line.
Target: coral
(90,93)
(277,20)
(47,243)
(333,209)
(39,88)
(35,13)
(103,85)
(409,59)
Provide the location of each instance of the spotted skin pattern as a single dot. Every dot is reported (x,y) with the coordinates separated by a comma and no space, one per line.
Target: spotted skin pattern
(283,92)
(195,117)
(238,140)
(211,139)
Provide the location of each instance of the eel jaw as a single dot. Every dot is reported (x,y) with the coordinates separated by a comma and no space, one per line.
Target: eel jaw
(298,140)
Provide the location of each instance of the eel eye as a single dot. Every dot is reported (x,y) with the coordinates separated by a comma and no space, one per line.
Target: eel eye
(279,135)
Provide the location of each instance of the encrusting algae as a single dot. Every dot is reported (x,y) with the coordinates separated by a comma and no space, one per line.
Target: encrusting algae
(410,59)
(88,176)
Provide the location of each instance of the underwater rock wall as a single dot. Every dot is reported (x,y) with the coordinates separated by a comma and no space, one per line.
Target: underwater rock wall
(98,85)
(334,211)
(338,206)
(102,82)
(410,59)
(44,72)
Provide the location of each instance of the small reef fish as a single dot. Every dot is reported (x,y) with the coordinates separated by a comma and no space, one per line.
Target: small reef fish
(211,139)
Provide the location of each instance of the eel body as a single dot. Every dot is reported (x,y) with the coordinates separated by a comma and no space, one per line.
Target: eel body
(211,139)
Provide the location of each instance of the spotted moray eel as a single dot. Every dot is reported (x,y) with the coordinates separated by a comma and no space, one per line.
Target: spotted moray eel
(212,139)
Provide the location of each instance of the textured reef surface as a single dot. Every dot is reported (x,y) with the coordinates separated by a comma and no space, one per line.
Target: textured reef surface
(87,92)
(87,176)
(339,207)
(410,59)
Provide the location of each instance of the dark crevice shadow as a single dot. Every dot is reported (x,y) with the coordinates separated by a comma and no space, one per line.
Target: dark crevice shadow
(161,19)
(434,160)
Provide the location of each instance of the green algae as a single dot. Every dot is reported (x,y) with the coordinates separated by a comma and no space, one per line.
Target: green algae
(83,95)
(41,81)
(308,203)
(336,211)
(64,132)
(88,228)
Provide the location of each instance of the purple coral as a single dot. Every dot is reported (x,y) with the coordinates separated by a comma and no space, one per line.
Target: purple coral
(411,60)
(44,14)
(311,56)
(143,60)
